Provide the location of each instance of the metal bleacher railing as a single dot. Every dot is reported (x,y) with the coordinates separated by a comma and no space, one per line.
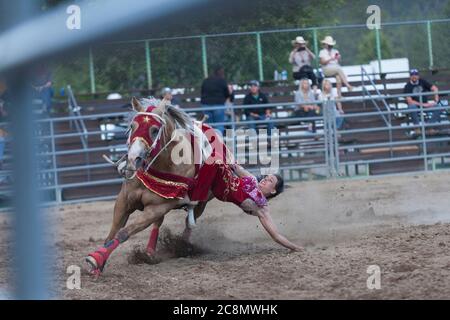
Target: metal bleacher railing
(328,152)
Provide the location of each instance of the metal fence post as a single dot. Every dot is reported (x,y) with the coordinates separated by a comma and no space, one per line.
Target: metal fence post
(58,195)
(30,265)
(204,57)
(316,46)
(330,134)
(430,45)
(260,59)
(424,136)
(325,139)
(91,71)
(148,63)
(378,46)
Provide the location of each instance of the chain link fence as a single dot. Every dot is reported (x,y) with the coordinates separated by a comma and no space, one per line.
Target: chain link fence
(185,62)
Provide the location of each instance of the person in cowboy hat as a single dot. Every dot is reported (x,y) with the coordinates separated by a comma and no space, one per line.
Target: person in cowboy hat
(329,59)
(301,58)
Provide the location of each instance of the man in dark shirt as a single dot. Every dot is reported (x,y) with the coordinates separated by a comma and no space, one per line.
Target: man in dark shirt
(255,96)
(41,82)
(214,93)
(418,85)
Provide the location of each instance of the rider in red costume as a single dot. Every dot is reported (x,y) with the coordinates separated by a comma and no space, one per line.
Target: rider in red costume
(228,182)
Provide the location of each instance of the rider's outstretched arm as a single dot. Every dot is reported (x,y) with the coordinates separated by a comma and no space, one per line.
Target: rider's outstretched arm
(266,220)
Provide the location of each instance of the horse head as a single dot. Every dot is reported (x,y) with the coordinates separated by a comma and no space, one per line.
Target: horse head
(146,135)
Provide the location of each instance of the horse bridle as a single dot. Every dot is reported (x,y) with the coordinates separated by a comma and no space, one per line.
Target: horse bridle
(152,147)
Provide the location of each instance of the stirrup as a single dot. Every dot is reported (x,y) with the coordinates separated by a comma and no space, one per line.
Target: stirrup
(190,217)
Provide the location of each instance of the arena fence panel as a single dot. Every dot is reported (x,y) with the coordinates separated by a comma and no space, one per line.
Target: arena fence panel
(67,166)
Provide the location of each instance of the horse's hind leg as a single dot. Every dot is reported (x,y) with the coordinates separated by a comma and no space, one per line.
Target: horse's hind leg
(198,211)
(153,240)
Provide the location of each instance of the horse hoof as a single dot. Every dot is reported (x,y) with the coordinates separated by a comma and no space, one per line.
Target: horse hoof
(93,268)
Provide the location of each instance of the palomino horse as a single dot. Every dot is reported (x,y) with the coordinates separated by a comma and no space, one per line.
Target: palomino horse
(152,138)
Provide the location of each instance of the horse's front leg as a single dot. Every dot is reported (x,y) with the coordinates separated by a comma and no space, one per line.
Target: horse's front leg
(121,214)
(151,214)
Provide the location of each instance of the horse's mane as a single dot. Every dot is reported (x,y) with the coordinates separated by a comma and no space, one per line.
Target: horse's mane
(178,116)
(180,120)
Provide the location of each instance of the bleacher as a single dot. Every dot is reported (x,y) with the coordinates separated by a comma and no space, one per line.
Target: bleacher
(302,151)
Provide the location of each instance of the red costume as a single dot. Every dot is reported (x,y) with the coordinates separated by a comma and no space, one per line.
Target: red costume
(215,174)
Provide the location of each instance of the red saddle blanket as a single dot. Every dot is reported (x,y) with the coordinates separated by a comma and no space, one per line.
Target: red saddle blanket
(170,186)
(166,185)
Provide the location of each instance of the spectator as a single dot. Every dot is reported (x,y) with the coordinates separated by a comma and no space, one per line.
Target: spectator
(306,107)
(166,93)
(329,59)
(301,58)
(329,94)
(41,83)
(214,93)
(138,85)
(229,103)
(255,97)
(418,85)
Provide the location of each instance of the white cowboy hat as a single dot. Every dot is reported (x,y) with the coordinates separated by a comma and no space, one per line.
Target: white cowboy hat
(329,41)
(299,40)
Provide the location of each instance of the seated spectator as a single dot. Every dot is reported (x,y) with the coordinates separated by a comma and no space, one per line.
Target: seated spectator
(41,82)
(230,110)
(329,59)
(255,96)
(328,93)
(419,85)
(166,93)
(301,58)
(306,108)
(214,93)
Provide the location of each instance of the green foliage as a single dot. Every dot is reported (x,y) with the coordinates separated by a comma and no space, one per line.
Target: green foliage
(179,62)
(367,49)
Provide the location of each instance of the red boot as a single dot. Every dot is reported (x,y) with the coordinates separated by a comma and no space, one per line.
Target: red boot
(97,260)
(152,241)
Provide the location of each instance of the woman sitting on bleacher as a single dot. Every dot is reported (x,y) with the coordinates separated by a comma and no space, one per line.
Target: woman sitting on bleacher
(306,107)
(328,93)
(329,59)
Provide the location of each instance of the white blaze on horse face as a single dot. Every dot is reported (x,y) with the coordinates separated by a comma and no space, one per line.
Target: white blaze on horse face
(137,150)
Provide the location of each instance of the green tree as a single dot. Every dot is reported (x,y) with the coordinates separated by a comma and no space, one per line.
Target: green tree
(367,48)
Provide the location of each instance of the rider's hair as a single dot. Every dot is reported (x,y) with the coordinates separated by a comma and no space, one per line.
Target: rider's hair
(279,187)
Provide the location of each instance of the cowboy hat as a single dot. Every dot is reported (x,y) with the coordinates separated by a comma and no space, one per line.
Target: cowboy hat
(329,41)
(299,40)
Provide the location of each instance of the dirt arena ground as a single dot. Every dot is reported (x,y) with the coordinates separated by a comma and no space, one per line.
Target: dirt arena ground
(400,224)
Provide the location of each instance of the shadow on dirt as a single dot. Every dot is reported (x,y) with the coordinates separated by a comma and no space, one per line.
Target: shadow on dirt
(170,246)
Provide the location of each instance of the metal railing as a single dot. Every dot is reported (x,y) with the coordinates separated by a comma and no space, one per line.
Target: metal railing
(324,151)
(388,122)
(74,111)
